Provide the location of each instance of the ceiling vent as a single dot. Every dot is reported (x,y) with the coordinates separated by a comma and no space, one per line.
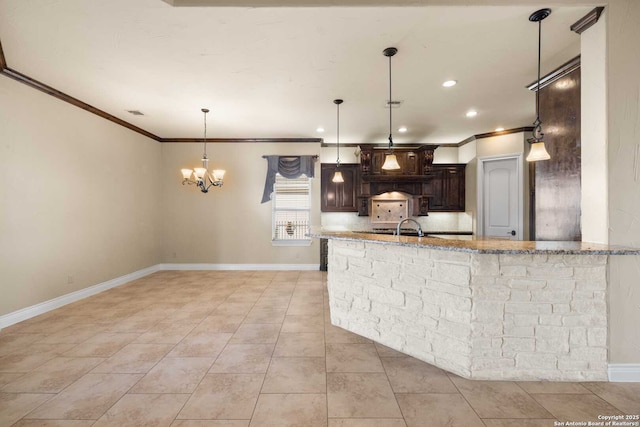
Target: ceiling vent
(135,112)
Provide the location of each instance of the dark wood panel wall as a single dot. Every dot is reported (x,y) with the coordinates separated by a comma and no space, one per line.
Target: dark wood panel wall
(557,181)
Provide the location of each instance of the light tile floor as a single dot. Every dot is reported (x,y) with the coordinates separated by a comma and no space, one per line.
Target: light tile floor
(251,348)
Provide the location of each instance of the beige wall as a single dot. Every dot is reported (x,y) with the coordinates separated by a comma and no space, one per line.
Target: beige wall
(445,155)
(467,154)
(593,134)
(623,86)
(513,143)
(228,225)
(79,196)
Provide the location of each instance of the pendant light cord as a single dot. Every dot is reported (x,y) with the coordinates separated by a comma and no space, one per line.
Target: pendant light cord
(538,124)
(390,106)
(338,136)
(205,135)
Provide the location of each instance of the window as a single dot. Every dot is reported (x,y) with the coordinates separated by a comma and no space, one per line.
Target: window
(291,201)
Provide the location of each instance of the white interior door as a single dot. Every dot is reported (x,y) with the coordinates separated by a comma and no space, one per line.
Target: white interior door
(500,199)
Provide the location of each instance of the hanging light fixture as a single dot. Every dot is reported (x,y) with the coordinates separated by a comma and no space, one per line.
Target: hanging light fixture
(203,178)
(337,176)
(538,150)
(390,160)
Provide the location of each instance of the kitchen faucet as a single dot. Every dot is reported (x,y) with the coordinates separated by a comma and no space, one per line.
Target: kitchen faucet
(420,234)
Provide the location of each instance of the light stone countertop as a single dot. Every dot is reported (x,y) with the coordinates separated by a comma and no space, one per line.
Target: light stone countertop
(480,245)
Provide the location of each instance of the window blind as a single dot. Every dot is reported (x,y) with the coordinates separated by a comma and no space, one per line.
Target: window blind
(291,202)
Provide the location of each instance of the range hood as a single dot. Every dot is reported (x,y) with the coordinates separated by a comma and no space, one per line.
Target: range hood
(413,178)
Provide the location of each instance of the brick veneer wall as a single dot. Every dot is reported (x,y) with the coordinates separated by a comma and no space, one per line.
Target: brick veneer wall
(481,316)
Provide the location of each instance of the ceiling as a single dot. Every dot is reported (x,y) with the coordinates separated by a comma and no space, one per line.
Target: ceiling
(273,72)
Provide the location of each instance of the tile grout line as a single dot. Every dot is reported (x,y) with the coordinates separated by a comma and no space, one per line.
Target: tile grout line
(465,399)
(325,302)
(264,377)
(214,358)
(395,395)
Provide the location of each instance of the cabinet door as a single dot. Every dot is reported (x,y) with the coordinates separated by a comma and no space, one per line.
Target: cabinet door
(436,200)
(409,162)
(454,189)
(448,188)
(377,160)
(339,197)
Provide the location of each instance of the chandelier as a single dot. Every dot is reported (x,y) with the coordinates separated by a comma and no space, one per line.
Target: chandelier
(202,177)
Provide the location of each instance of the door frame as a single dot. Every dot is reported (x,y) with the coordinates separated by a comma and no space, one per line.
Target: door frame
(480,191)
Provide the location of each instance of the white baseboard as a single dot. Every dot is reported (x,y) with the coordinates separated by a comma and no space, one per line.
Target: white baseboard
(624,372)
(52,304)
(288,267)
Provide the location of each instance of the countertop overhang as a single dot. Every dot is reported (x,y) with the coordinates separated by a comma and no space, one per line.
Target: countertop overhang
(481,245)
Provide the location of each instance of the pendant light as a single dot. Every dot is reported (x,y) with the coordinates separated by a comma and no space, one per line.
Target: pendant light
(390,160)
(203,178)
(337,176)
(538,151)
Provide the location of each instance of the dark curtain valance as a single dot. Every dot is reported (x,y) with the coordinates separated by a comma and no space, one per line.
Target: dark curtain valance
(287,166)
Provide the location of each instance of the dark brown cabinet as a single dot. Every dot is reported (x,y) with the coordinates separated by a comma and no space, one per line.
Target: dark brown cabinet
(413,161)
(339,197)
(409,162)
(448,188)
(434,187)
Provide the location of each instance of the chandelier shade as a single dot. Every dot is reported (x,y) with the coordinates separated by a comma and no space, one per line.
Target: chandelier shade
(391,162)
(538,152)
(337,177)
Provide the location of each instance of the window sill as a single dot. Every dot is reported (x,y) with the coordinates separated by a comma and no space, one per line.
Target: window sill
(305,242)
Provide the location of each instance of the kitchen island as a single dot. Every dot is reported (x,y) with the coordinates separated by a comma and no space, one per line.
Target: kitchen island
(483,309)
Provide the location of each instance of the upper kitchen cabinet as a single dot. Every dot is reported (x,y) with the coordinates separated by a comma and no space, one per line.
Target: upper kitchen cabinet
(412,161)
(339,197)
(448,188)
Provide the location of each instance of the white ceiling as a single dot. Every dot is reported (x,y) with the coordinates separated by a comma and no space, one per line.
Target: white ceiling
(274,72)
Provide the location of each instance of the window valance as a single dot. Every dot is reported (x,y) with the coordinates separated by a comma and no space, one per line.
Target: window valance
(287,166)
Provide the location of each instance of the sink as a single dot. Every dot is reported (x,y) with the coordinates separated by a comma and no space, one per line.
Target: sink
(403,232)
(461,235)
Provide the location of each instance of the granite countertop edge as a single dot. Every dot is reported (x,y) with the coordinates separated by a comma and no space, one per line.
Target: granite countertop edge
(482,246)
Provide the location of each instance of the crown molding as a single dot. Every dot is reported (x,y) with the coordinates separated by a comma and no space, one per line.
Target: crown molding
(3,62)
(22,78)
(587,21)
(557,74)
(494,133)
(49,90)
(504,132)
(243,140)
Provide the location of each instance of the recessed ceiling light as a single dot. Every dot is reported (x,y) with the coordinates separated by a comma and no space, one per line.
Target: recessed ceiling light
(499,129)
(472,113)
(320,129)
(402,129)
(449,83)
